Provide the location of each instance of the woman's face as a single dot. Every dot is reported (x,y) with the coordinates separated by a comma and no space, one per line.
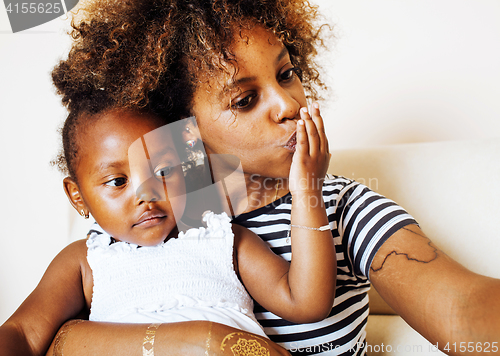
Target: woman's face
(254,114)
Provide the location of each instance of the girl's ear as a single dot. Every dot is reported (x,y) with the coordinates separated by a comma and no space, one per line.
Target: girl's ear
(75,197)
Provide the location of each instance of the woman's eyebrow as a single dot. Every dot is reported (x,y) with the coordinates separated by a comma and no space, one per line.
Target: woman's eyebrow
(282,54)
(232,84)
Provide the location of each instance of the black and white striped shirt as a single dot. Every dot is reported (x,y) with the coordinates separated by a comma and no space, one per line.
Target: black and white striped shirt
(361,221)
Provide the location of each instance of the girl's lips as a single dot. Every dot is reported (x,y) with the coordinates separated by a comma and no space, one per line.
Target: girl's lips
(292,142)
(150,218)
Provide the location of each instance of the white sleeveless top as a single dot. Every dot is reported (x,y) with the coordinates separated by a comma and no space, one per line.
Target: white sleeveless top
(186,278)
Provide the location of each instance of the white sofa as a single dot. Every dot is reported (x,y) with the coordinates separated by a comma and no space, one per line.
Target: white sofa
(453,191)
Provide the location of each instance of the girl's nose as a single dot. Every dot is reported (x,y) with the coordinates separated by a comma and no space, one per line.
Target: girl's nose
(285,107)
(151,190)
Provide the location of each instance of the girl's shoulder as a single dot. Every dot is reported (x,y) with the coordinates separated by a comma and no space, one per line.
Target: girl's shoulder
(71,270)
(75,251)
(74,256)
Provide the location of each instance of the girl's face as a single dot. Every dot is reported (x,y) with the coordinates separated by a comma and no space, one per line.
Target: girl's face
(254,114)
(142,213)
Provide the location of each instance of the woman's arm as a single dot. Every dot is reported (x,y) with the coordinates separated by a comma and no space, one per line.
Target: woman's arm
(442,300)
(302,291)
(58,297)
(191,338)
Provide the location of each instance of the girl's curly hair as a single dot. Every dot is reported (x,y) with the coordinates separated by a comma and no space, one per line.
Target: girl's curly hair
(153,52)
(123,47)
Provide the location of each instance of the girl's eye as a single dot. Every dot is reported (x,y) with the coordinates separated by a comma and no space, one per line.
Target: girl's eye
(117,182)
(287,75)
(243,103)
(164,172)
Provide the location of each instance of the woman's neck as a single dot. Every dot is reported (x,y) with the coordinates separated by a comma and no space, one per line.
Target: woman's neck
(241,191)
(262,191)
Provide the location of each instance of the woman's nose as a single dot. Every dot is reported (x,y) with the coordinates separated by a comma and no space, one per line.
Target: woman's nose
(151,190)
(285,107)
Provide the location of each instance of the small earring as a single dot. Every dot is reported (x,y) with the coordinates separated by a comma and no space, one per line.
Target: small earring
(85,215)
(190,143)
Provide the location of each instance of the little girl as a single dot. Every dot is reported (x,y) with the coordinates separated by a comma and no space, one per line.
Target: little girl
(147,266)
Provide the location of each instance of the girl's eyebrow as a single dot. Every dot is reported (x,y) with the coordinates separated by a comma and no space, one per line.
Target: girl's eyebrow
(104,166)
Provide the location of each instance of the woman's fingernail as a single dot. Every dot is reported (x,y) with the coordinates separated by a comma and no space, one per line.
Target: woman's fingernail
(316,105)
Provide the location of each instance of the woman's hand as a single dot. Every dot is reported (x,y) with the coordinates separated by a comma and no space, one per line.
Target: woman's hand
(311,158)
(303,290)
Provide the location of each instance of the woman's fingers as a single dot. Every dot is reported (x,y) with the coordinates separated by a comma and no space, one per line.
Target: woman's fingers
(318,120)
(312,133)
(311,157)
(302,146)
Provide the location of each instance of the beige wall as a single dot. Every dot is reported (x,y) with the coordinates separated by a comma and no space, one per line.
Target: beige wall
(413,71)
(400,71)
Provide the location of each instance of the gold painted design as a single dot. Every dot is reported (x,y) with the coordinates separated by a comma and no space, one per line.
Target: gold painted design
(149,340)
(246,347)
(62,335)
(209,337)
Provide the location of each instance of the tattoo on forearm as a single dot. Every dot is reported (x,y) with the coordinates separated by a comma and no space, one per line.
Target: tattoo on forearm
(434,253)
(246,347)
(61,336)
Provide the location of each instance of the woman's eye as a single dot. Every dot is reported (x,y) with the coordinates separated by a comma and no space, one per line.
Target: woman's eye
(164,172)
(243,103)
(288,74)
(117,182)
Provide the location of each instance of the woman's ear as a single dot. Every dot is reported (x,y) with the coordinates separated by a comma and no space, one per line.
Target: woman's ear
(75,197)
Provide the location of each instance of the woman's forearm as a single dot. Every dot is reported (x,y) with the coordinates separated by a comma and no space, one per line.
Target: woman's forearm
(185,338)
(94,338)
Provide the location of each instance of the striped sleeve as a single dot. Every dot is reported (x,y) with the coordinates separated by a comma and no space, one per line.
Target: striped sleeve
(367,220)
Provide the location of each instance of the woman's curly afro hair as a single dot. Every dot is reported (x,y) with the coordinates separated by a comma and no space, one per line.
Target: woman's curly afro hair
(152,52)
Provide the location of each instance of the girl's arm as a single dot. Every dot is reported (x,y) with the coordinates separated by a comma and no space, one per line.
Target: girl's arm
(58,297)
(302,291)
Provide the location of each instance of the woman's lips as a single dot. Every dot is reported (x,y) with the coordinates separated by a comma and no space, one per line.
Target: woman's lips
(292,142)
(150,218)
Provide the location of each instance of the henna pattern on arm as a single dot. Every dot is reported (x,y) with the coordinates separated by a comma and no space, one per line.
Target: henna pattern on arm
(396,253)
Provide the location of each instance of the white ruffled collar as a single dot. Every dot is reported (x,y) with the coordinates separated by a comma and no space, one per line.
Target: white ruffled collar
(217,226)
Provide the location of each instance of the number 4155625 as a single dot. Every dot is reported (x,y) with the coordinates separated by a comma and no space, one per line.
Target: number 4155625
(471,347)
(34,8)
